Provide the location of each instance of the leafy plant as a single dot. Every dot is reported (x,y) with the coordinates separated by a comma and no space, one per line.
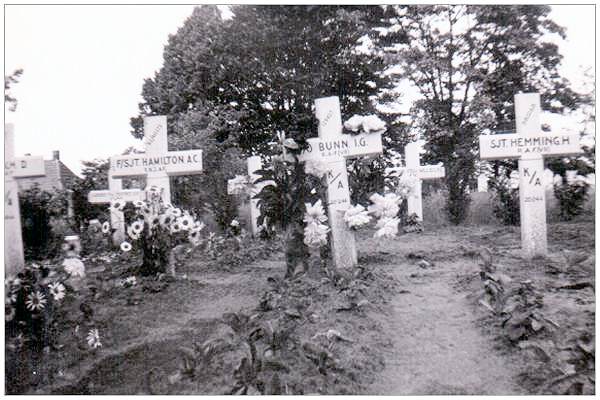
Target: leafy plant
(571,197)
(506,200)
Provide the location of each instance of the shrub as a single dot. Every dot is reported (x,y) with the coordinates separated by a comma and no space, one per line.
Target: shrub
(505,201)
(571,197)
(38,210)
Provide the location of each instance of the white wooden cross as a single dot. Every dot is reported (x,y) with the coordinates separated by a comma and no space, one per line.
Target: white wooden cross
(482,183)
(530,145)
(414,169)
(254,164)
(14,168)
(158,163)
(332,148)
(115,192)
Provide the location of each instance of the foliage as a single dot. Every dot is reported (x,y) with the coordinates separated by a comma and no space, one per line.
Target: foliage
(160,230)
(571,197)
(505,200)
(8,82)
(467,62)
(38,209)
(95,177)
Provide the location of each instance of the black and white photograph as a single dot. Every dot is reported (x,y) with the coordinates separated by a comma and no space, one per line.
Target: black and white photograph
(299,199)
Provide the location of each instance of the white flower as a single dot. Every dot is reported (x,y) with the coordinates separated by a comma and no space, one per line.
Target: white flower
(93,339)
(198,226)
(406,185)
(314,213)
(186,222)
(315,168)
(372,123)
(387,227)
(137,226)
(315,234)
(175,212)
(125,247)
(133,235)
(194,237)
(139,203)
(356,216)
(354,123)
(385,206)
(35,301)
(175,227)
(57,290)
(74,266)
(105,227)
(165,220)
(234,223)
(117,205)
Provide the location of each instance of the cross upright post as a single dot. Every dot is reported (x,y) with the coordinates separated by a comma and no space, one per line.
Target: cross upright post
(15,167)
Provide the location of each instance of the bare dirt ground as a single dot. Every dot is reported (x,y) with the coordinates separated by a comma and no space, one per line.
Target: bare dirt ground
(422,329)
(446,342)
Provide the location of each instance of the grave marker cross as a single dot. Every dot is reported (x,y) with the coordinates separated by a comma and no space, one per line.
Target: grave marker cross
(332,148)
(158,163)
(530,145)
(14,168)
(115,192)
(414,169)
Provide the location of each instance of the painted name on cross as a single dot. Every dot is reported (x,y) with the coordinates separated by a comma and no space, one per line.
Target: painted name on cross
(175,163)
(509,146)
(342,146)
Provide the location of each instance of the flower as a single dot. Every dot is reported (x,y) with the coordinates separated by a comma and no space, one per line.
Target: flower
(194,237)
(356,216)
(186,222)
(316,168)
(372,123)
(133,235)
(57,290)
(74,266)
(35,301)
(125,247)
(93,339)
(165,220)
(315,234)
(354,123)
(139,203)
(387,227)
(105,227)
(198,226)
(117,205)
(314,213)
(385,206)
(234,223)
(175,227)
(174,212)
(406,186)
(35,266)
(137,226)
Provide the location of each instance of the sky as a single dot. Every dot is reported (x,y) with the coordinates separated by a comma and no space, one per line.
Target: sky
(84,67)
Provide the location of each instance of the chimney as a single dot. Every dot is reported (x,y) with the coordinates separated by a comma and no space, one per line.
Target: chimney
(56,155)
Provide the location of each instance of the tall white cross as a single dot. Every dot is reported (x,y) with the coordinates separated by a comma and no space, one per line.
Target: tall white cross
(158,163)
(14,168)
(116,192)
(530,145)
(332,148)
(254,164)
(413,168)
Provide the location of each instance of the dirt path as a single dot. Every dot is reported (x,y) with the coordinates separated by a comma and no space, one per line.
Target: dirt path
(437,346)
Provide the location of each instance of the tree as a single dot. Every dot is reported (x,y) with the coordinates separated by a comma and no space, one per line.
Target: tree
(239,83)
(467,62)
(8,81)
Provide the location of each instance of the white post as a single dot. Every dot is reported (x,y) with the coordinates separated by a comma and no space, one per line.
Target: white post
(412,159)
(343,245)
(14,260)
(117,218)
(532,196)
(156,144)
